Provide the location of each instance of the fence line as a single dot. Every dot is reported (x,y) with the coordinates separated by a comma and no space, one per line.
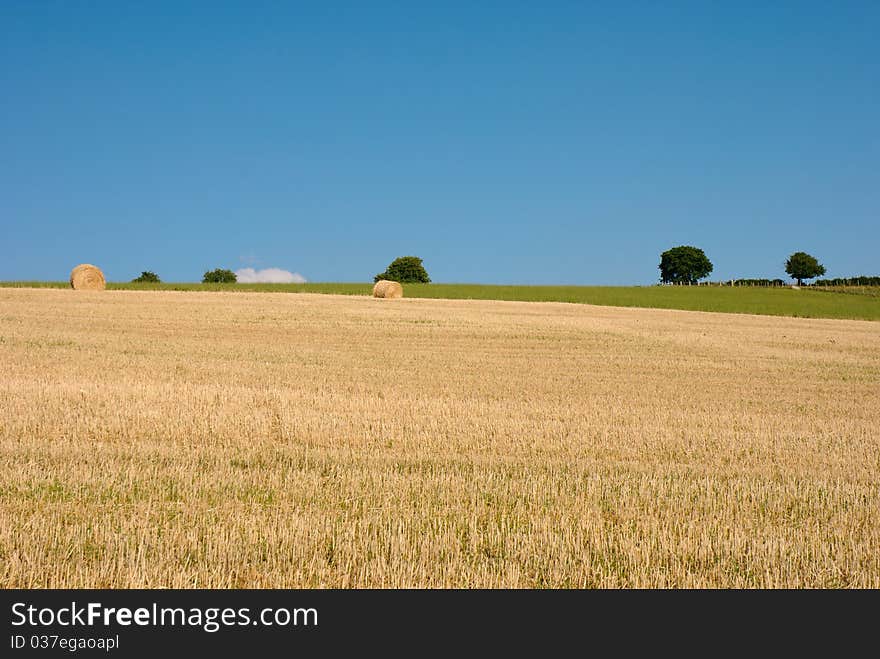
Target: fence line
(780,283)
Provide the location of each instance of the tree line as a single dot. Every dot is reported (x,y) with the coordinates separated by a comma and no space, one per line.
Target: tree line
(684,264)
(687,264)
(404,269)
(849,281)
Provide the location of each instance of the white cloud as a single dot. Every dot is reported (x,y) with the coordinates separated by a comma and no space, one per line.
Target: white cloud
(268,276)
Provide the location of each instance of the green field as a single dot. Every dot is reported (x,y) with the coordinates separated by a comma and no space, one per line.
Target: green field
(859,304)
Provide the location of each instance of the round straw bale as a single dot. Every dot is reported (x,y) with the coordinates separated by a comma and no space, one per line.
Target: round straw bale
(86,277)
(387,289)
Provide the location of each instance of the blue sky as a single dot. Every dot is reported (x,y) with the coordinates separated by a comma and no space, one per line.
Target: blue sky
(503,142)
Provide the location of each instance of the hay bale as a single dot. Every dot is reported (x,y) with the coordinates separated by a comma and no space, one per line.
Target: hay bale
(387,289)
(86,277)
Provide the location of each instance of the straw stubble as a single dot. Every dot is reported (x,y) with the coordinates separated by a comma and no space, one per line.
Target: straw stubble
(185,439)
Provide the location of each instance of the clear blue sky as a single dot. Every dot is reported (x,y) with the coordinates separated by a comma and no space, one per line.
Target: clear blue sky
(503,142)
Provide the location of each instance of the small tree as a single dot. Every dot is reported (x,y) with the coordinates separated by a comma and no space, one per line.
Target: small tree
(684,265)
(146,277)
(219,276)
(801,265)
(406,270)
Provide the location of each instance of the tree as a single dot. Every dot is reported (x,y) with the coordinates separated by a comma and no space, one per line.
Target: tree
(406,270)
(219,276)
(801,265)
(146,277)
(684,265)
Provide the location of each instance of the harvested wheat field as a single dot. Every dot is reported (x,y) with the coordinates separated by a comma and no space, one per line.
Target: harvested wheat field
(183,439)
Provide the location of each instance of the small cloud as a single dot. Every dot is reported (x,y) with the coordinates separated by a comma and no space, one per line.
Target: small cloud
(268,276)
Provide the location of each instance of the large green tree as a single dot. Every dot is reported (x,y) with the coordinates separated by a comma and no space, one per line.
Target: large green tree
(801,265)
(146,277)
(684,264)
(406,270)
(219,276)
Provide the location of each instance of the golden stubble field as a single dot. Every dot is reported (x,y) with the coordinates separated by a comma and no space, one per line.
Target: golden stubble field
(189,439)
